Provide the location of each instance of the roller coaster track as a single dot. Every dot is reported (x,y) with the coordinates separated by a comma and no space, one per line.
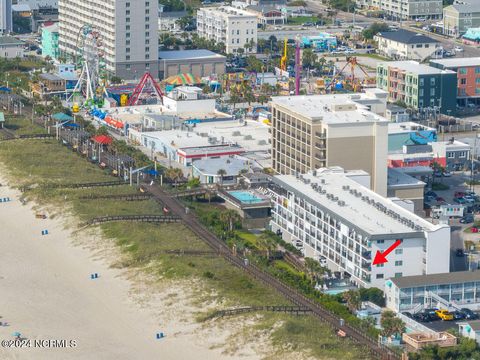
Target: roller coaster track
(298,299)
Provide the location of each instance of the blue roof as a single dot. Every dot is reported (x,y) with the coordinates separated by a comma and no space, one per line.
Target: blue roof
(188,54)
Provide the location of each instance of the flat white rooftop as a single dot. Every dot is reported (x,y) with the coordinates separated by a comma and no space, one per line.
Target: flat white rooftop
(458,62)
(355,203)
(330,109)
(399,180)
(415,67)
(406,127)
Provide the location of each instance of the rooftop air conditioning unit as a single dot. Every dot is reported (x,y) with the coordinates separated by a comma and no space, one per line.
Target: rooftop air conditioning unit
(322,181)
(341,203)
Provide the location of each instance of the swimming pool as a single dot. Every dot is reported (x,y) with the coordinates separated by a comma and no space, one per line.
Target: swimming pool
(245,197)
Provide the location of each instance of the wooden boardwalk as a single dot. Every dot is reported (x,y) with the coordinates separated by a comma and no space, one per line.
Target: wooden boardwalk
(294,310)
(135,218)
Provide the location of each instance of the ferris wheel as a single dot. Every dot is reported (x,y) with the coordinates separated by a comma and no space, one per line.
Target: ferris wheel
(90,60)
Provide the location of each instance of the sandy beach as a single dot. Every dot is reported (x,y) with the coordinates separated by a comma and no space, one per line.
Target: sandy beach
(46,293)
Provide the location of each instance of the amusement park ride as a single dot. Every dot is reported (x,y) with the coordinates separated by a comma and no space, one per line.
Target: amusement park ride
(92,83)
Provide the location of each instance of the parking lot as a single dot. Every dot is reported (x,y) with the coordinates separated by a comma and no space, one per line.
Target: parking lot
(456,184)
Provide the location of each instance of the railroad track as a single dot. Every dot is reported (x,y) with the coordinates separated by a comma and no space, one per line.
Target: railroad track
(379,351)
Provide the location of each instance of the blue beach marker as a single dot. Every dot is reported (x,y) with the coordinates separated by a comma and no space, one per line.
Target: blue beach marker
(44,232)
(160,336)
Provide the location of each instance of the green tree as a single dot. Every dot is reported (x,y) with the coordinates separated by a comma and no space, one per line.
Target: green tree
(309,59)
(253,64)
(230,219)
(116,80)
(374,29)
(352,297)
(221,173)
(174,174)
(391,324)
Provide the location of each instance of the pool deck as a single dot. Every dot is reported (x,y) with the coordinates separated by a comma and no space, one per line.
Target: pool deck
(227,196)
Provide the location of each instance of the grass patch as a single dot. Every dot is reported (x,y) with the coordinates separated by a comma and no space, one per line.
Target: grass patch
(46,161)
(372,56)
(299,20)
(298,333)
(439,186)
(23,126)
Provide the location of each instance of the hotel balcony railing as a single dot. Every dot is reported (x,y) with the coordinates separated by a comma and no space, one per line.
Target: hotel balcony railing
(321,135)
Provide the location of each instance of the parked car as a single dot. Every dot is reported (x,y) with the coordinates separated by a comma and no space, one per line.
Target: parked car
(459,200)
(474,229)
(469,199)
(437,174)
(460,253)
(407,314)
(431,193)
(467,219)
(440,199)
(458,49)
(459,194)
(458,315)
(431,314)
(469,314)
(445,315)
(421,317)
(447,174)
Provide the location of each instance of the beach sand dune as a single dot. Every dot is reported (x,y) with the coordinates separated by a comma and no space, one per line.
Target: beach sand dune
(46,293)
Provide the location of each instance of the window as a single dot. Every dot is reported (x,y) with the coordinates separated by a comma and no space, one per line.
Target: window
(462,154)
(477,70)
(127,19)
(380,265)
(127,57)
(420,92)
(398,263)
(463,81)
(421,81)
(398,274)
(127,49)
(462,71)
(127,27)
(399,251)
(379,276)
(477,80)
(451,155)
(432,81)
(380,241)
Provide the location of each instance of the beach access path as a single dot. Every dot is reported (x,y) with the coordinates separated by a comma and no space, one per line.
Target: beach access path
(46,293)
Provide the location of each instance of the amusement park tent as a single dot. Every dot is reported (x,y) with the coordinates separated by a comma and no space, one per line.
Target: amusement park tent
(62,117)
(102,139)
(183,79)
(472,34)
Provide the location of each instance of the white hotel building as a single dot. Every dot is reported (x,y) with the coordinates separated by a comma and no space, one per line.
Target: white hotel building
(334,217)
(128,29)
(226,24)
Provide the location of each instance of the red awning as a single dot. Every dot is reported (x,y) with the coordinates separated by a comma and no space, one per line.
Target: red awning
(102,139)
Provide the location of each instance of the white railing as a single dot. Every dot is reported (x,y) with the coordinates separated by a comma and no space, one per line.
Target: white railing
(414,325)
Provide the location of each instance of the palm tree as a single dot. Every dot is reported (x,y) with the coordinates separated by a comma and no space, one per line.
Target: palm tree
(174,174)
(391,325)
(352,297)
(221,173)
(230,218)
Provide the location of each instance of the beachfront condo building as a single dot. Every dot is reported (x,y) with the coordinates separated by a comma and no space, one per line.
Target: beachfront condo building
(418,85)
(333,216)
(236,28)
(6,17)
(128,31)
(315,131)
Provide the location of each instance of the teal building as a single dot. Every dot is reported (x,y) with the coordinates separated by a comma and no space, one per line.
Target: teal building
(50,41)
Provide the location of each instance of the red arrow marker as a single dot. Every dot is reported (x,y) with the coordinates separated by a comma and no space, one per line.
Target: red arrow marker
(381,258)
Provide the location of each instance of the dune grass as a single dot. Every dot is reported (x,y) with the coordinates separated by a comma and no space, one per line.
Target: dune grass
(32,162)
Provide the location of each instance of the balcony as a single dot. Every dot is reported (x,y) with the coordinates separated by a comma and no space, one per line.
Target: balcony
(321,135)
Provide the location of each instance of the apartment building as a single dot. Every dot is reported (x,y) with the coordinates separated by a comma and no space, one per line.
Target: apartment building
(456,290)
(128,29)
(231,26)
(50,41)
(460,16)
(11,47)
(468,77)
(331,215)
(316,131)
(418,85)
(407,9)
(5,17)
(406,45)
